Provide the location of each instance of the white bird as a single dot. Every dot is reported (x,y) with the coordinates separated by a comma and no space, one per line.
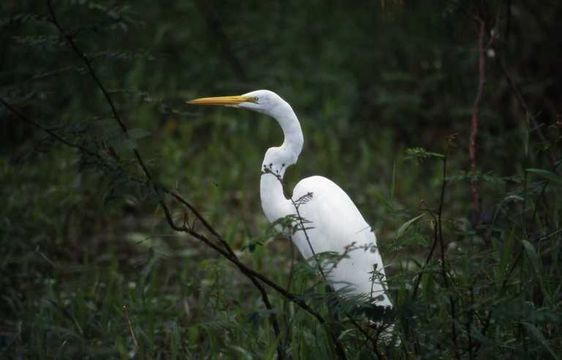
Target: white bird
(327,220)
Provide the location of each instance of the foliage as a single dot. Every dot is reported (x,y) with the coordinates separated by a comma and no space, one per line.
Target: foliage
(90,267)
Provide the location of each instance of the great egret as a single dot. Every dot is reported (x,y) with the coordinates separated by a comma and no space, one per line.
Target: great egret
(332,222)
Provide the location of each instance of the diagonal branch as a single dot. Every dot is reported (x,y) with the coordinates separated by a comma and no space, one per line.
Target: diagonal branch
(438,239)
(439,235)
(229,254)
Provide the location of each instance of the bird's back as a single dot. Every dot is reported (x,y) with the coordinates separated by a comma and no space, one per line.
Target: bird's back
(334,224)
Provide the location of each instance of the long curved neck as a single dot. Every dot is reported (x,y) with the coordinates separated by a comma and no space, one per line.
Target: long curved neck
(276,161)
(293,139)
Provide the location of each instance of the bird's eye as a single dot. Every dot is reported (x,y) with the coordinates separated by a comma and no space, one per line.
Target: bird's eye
(254,99)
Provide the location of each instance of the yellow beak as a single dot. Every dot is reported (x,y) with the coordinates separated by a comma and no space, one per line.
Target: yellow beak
(222,100)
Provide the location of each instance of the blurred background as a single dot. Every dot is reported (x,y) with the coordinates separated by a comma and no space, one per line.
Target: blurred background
(384,91)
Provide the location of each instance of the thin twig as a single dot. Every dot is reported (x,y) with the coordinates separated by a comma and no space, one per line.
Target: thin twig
(303,228)
(439,228)
(70,41)
(437,220)
(422,270)
(474,123)
(439,239)
(339,347)
(204,221)
(135,341)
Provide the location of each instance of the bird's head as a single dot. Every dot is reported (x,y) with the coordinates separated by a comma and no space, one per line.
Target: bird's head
(262,101)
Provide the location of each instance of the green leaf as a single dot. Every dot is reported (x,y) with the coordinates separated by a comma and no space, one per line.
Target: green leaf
(419,154)
(536,333)
(402,229)
(534,259)
(532,256)
(548,175)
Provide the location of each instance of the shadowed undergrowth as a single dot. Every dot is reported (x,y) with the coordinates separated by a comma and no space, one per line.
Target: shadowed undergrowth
(91,265)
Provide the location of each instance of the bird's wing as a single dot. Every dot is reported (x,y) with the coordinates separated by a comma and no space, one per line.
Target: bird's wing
(327,209)
(333,223)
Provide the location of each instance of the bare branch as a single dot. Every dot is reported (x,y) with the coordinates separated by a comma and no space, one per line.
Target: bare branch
(230,255)
(475,121)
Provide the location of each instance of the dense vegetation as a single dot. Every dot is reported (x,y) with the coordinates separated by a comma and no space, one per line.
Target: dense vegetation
(131,226)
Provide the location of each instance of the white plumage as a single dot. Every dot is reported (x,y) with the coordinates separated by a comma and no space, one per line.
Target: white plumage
(336,225)
(332,222)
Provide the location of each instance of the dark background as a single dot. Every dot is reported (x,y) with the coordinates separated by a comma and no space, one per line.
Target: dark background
(376,85)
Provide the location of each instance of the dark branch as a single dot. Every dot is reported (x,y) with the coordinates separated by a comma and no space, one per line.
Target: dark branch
(230,255)
(475,121)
